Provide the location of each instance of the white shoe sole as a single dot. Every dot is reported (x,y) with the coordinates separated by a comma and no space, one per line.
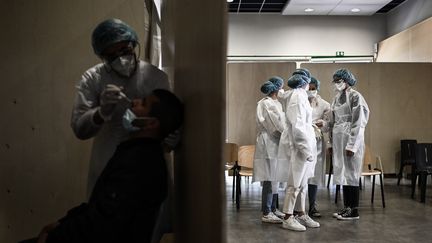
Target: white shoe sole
(271,221)
(314,226)
(294,229)
(348,219)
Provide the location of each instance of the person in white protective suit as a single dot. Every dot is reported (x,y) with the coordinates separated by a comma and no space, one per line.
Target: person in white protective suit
(105,90)
(320,117)
(270,121)
(348,123)
(297,152)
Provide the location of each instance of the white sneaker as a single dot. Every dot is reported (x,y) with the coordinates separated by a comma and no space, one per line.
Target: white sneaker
(292,224)
(279,213)
(271,218)
(307,221)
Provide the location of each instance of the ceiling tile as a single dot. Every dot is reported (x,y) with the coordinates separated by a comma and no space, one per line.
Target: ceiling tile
(298,9)
(365,9)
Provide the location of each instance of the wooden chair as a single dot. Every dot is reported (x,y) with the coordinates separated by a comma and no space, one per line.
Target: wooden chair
(373,169)
(230,162)
(245,167)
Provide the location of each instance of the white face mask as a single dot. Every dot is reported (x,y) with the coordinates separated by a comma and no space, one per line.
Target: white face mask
(312,93)
(124,65)
(339,87)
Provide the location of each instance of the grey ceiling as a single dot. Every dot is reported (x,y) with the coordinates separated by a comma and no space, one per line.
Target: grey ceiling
(277,6)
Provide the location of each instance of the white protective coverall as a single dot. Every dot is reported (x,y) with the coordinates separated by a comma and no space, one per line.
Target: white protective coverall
(348,123)
(296,145)
(320,112)
(270,121)
(109,134)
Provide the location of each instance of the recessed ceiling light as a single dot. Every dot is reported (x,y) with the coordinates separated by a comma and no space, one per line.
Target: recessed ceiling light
(230,1)
(309,10)
(355,10)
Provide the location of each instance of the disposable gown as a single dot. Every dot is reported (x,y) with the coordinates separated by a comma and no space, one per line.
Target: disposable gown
(108,135)
(320,111)
(270,121)
(297,141)
(349,119)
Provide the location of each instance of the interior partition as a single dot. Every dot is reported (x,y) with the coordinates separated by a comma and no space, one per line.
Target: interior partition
(398,95)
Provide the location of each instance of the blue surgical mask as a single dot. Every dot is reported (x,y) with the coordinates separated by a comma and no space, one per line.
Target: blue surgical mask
(127,120)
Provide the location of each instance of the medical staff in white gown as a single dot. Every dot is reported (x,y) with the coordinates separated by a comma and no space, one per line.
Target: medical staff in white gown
(270,121)
(348,124)
(297,152)
(320,118)
(101,100)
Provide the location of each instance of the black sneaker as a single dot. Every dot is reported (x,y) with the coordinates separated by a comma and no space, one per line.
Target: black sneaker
(314,213)
(342,211)
(350,214)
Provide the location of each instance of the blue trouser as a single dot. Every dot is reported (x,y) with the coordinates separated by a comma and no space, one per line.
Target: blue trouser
(268,198)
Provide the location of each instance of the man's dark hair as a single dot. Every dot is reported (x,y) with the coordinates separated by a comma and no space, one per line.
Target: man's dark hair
(169,111)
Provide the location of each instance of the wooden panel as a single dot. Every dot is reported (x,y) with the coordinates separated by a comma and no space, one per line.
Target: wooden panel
(199,63)
(421,42)
(398,97)
(243,92)
(411,45)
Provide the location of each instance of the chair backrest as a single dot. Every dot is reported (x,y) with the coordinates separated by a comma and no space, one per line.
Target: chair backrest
(408,149)
(367,158)
(230,153)
(424,157)
(371,161)
(246,156)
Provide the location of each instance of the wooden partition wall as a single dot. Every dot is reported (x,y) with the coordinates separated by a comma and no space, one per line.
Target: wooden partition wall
(243,92)
(398,95)
(411,45)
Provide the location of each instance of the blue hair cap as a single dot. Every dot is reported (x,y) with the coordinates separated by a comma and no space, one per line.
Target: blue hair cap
(278,81)
(297,81)
(302,71)
(268,88)
(110,32)
(345,75)
(316,82)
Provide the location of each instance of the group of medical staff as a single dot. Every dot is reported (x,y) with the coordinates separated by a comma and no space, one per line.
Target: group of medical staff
(291,146)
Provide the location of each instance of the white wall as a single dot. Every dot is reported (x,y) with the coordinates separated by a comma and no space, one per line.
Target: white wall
(408,14)
(272,34)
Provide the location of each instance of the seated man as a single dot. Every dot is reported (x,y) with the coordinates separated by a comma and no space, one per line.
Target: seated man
(125,202)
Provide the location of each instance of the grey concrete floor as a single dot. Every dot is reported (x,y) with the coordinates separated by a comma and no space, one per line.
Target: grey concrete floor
(403,220)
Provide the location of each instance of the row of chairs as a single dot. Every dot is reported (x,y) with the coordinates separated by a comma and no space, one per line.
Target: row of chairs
(419,157)
(239,160)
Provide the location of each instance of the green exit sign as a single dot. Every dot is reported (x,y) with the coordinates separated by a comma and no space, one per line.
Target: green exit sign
(340,53)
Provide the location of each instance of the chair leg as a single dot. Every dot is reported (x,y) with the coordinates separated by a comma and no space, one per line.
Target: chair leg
(238,190)
(382,190)
(423,177)
(337,192)
(233,182)
(400,174)
(373,189)
(413,184)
